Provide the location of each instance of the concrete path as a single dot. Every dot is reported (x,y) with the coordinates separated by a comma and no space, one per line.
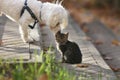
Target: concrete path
(13,46)
(97,69)
(109,47)
(97,66)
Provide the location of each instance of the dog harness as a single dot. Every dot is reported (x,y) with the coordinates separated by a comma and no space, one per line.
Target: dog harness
(25,7)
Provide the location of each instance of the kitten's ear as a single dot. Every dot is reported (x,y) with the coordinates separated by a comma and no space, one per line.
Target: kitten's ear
(59,32)
(67,34)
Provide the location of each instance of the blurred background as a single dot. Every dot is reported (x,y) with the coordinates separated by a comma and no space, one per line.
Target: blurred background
(106,10)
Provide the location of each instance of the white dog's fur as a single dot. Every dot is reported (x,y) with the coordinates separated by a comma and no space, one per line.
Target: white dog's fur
(51,14)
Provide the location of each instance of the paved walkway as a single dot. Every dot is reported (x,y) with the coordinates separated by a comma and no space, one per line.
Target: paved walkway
(97,68)
(99,32)
(13,46)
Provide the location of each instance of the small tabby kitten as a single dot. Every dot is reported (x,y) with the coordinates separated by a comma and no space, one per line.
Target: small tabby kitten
(70,50)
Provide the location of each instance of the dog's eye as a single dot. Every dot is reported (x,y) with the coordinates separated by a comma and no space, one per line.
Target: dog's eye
(58,24)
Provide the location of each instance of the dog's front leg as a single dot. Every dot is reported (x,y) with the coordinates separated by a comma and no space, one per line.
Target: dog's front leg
(24,33)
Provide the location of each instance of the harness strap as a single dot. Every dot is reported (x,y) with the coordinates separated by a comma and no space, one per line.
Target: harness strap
(36,21)
(25,7)
(25,2)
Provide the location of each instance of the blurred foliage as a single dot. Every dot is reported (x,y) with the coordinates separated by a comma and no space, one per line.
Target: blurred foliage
(114,4)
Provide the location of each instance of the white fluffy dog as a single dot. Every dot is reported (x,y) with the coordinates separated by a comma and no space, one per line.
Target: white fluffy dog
(50,14)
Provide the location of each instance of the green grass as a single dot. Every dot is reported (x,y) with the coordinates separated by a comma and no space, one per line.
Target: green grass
(33,71)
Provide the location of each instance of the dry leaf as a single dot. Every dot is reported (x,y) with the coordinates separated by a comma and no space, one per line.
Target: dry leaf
(82,25)
(115,69)
(85,29)
(43,77)
(116,42)
(82,65)
(98,42)
(108,58)
(87,38)
(6,78)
